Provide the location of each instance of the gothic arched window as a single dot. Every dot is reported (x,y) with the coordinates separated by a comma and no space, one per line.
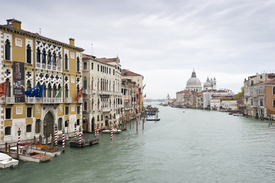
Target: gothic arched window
(7,50)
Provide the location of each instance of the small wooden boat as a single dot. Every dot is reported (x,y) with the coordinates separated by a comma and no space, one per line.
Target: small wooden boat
(109,131)
(40,148)
(6,161)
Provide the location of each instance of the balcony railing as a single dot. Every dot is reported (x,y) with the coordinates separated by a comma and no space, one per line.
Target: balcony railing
(127,108)
(85,91)
(9,100)
(50,67)
(106,109)
(31,100)
(68,100)
(93,92)
(80,100)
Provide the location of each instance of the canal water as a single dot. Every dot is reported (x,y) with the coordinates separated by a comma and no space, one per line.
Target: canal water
(195,146)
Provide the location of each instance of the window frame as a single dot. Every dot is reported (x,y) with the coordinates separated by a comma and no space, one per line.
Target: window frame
(28,128)
(7,127)
(28,112)
(67,110)
(10,113)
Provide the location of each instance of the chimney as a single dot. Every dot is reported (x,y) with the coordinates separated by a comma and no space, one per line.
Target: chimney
(71,41)
(14,23)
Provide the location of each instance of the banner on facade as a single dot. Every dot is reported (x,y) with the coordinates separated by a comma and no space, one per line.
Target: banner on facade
(19,82)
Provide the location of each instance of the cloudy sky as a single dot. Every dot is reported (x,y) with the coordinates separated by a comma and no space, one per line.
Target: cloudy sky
(162,40)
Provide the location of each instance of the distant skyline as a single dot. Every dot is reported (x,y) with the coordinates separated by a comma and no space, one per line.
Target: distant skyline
(162,40)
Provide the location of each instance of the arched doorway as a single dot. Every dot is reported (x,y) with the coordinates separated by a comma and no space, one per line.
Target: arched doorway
(85,125)
(93,124)
(48,125)
(107,121)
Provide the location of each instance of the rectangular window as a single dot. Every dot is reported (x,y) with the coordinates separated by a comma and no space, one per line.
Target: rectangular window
(113,71)
(60,124)
(29,112)
(8,113)
(78,109)
(66,110)
(29,128)
(97,117)
(8,130)
(37,126)
(66,123)
(273,90)
(85,65)
(92,66)
(110,71)
(98,67)
(273,102)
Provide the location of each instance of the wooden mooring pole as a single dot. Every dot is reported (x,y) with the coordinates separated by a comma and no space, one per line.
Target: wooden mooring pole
(136,124)
(17,155)
(143,124)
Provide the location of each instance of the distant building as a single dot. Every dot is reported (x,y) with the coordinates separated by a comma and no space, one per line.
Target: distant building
(259,95)
(193,83)
(210,84)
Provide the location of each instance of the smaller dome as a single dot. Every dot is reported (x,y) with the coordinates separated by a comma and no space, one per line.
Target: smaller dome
(207,83)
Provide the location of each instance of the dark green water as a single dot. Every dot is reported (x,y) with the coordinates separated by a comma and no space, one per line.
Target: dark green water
(195,146)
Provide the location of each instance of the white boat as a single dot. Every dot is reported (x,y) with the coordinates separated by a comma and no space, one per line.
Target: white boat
(109,131)
(6,161)
(183,111)
(26,154)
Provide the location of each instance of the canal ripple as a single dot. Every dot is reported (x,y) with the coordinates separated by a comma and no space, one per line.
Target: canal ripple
(195,146)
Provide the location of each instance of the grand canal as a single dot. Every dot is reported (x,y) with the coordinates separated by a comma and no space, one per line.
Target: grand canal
(195,146)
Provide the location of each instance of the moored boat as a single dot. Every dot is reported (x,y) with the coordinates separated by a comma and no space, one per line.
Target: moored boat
(40,148)
(114,131)
(6,161)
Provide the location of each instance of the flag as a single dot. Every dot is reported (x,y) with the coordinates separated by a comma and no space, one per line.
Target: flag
(144,86)
(35,92)
(3,88)
(58,95)
(145,96)
(79,94)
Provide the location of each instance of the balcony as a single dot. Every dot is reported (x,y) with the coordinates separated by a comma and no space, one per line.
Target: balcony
(127,108)
(9,100)
(107,109)
(85,91)
(102,92)
(50,67)
(49,100)
(68,100)
(120,106)
(80,100)
(93,92)
(31,100)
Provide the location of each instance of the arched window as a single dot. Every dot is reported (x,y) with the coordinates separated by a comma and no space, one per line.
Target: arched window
(66,62)
(85,83)
(49,91)
(38,55)
(29,86)
(8,130)
(44,91)
(66,91)
(85,106)
(77,89)
(49,57)
(7,50)
(54,90)
(98,105)
(29,54)
(44,56)
(92,66)
(54,58)
(77,65)
(92,104)
(8,94)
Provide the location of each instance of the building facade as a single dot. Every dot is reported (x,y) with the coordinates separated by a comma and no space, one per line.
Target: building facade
(102,95)
(29,60)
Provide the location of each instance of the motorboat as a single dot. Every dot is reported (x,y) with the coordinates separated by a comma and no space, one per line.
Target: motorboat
(114,131)
(26,153)
(40,148)
(6,161)
(183,111)
(237,114)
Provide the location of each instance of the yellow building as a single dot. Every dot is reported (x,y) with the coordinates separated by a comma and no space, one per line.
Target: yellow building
(28,60)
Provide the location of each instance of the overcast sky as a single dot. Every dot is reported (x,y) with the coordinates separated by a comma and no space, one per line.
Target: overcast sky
(162,40)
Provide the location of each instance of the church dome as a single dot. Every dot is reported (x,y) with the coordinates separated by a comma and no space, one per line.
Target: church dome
(207,83)
(193,81)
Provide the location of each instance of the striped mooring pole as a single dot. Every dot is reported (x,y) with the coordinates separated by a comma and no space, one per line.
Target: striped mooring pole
(19,133)
(55,134)
(75,130)
(95,130)
(112,132)
(63,140)
(79,136)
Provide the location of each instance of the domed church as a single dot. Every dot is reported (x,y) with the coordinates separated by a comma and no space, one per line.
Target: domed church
(210,84)
(193,83)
